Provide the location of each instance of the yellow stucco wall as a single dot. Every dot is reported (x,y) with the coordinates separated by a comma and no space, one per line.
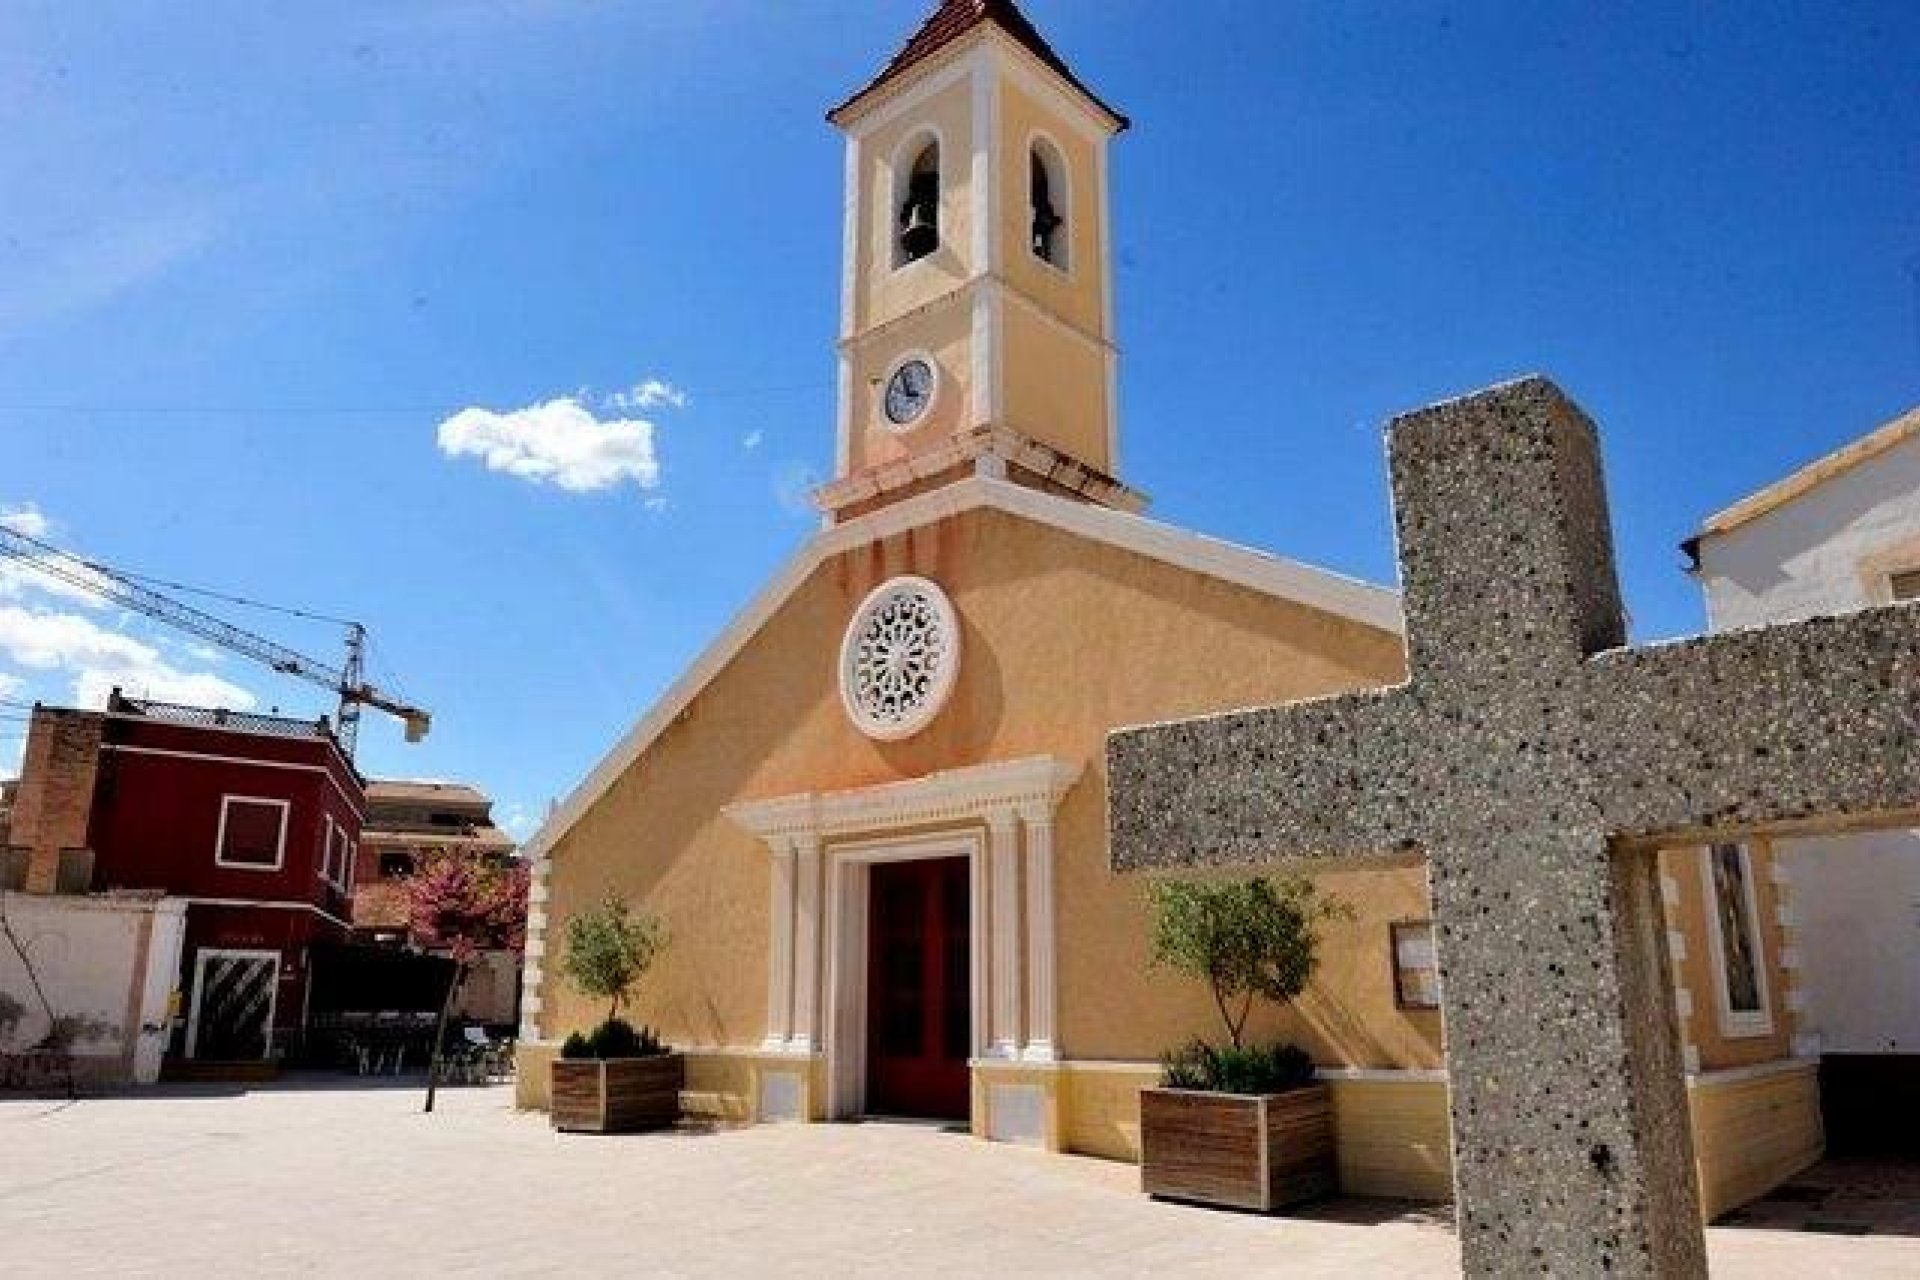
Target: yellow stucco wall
(1035,604)
(1395,1138)
(883,292)
(1696,972)
(945,334)
(1750,1135)
(1056,386)
(1077,294)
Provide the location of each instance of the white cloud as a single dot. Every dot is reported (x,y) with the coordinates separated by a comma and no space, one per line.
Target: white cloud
(753,440)
(26,518)
(25,575)
(99,659)
(559,442)
(516,819)
(793,486)
(10,685)
(653,393)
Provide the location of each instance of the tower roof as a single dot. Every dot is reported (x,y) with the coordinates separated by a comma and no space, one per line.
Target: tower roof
(952,21)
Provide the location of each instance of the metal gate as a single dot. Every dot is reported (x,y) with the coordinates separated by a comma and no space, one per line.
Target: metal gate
(233,1002)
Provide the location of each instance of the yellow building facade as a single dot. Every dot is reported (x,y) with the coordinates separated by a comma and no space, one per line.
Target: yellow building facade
(872,815)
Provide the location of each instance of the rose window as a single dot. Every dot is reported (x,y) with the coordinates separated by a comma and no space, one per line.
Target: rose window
(899,659)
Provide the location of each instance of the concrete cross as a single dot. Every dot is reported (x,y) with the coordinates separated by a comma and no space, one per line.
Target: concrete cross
(1539,764)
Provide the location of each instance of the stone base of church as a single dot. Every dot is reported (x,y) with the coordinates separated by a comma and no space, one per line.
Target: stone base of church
(1753,1128)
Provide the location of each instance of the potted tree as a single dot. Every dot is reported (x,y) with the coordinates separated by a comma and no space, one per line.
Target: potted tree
(1233,1124)
(616,1079)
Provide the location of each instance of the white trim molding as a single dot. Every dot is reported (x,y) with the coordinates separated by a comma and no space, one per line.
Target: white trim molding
(358,804)
(820,843)
(950,796)
(1268,575)
(220,858)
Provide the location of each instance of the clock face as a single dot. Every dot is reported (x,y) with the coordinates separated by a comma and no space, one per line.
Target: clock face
(909,392)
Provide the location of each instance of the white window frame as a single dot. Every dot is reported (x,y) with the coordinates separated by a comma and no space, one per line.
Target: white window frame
(346,869)
(1736,1024)
(326,848)
(280,846)
(906,153)
(200,958)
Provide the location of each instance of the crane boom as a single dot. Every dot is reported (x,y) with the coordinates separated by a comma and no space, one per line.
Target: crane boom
(345,681)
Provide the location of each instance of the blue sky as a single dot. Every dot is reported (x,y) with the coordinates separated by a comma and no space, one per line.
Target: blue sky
(252,259)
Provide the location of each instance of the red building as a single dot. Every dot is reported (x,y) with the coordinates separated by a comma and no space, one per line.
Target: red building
(253,820)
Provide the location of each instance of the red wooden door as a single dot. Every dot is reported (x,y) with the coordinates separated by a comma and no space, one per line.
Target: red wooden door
(919,989)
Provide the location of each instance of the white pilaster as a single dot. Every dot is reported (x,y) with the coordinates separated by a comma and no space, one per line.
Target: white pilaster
(804,1034)
(780,946)
(1003,886)
(532,958)
(1040,1045)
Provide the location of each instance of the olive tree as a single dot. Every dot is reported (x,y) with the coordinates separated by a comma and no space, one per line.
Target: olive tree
(609,949)
(1245,939)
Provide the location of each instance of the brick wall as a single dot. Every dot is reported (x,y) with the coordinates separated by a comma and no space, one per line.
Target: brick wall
(55,799)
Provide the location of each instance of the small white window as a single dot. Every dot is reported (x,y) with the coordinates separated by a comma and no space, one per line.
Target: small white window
(326,847)
(339,856)
(253,833)
(1736,944)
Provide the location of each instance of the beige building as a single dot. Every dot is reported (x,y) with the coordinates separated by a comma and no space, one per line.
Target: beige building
(408,821)
(872,814)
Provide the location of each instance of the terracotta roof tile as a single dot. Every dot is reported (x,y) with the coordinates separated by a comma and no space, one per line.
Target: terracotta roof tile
(955,19)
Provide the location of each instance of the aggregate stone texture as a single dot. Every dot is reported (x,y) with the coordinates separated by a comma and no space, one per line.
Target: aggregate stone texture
(1537,763)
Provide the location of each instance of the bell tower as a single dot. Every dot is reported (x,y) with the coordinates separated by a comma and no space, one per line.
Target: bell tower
(976,332)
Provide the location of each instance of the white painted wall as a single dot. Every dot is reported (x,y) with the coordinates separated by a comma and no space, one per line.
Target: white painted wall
(113,962)
(1855,899)
(1827,551)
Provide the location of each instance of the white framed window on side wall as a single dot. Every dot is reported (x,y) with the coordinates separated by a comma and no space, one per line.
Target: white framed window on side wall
(1736,946)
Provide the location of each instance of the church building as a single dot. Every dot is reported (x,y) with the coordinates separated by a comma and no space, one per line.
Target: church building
(872,814)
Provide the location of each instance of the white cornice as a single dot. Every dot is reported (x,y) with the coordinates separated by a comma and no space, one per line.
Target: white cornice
(952,795)
(1257,571)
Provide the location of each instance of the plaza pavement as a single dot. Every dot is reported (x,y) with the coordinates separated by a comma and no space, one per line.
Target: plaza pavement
(322,1178)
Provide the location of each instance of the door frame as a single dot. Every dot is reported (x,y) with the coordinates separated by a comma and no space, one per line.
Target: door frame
(848,868)
(200,958)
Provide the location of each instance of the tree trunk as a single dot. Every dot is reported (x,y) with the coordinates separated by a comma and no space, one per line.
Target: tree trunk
(440,1031)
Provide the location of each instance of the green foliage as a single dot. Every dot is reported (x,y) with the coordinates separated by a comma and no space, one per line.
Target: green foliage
(614,1038)
(609,949)
(1244,938)
(1271,1068)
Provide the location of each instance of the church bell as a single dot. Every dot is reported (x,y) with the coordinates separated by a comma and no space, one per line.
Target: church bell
(921,235)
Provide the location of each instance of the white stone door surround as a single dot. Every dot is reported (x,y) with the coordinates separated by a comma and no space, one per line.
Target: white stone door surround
(820,846)
(846,952)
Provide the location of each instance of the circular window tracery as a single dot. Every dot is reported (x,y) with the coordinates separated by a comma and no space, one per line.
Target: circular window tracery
(899,658)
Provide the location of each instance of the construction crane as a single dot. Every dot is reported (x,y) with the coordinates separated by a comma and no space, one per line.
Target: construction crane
(347,680)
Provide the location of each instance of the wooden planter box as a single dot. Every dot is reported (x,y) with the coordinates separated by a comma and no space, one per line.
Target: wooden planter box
(1246,1151)
(617,1095)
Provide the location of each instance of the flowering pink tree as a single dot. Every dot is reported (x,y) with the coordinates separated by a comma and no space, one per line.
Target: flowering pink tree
(465,906)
